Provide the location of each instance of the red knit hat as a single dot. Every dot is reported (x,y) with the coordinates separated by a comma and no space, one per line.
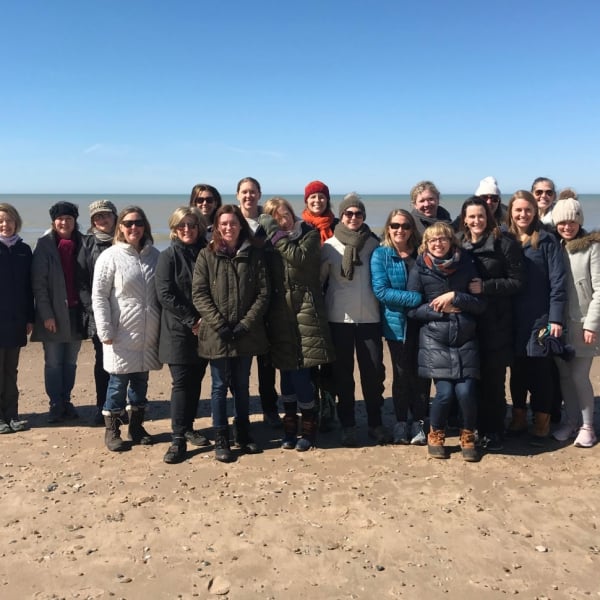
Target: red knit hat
(314,187)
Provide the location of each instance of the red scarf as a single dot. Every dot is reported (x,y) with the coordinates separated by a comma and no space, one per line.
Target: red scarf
(322,223)
(66,251)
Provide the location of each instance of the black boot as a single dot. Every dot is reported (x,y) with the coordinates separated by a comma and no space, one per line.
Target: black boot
(290,423)
(176,452)
(112,433)
(309,431)
(136,432)
(244,441)
(223,452)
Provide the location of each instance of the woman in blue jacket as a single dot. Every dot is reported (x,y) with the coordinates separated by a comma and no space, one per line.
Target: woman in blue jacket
(390,264)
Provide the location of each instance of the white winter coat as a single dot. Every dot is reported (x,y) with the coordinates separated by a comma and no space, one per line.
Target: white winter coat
(126,308)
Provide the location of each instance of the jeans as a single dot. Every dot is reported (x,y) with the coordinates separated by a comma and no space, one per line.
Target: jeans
(185,394)
(9,392)
(118,393)
(465,391)
(231,372)
(101,377)
(299,383)
(60,365)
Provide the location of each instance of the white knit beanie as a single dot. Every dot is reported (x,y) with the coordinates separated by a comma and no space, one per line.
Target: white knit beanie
(488,185)
(568,209)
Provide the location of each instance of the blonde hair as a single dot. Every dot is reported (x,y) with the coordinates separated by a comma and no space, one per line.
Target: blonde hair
(179,214)
(533,235)
(422,186)
(272,205)
(438,229)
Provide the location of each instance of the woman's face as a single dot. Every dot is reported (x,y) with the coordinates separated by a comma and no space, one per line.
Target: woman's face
(438,246)
(132,227)
(284,218)
(400,231)
(522,214)
(229,228)
(567,230)
(64,225)
(205,203)
(544,193)
(427,203)
(316,203)
(476,221)
(248,197)
(104,222)
(8,227)
(187,230)
(353,218)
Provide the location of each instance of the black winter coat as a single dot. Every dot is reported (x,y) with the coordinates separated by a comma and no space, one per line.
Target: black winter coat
(448,346)
(499,262)
(16,302)
(173,277)
(93,248)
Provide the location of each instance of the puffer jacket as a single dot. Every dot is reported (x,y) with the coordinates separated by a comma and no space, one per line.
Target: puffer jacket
(389,278)
(448,345)
(16,303)
(499,262)
(543,298)
(297,325)
(126,308)
(50,292)
(174,273)
(582,260)
(227,291)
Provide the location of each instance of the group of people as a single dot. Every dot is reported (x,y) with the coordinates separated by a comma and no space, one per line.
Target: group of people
(456,301)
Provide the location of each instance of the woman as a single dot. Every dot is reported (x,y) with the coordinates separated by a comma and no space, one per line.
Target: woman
(179,327)
(230,290)
(127,316)
(501,272)
(16,313)
(425,199)
(207,200)
(354,319)
(60,280)
(489,192)
(297,325)
(390,265)
(544,192)
(582,259)
(103,217)
(448,347)
(539,306)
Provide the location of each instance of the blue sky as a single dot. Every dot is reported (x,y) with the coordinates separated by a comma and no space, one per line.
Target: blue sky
(132,96)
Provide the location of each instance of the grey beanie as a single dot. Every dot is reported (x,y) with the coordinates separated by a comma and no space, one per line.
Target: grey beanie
(352,200)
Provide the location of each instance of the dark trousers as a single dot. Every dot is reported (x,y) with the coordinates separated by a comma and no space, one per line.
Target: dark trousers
(101,377)
(533,375)
(9,392)
(491,407)
(366,339)
(266,384)
(185,394)
(446,391)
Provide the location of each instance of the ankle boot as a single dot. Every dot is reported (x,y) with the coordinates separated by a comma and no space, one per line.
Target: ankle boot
(290,431)
(112,433)
(309,431)
(541,429)
(518,422)
(467,445)
(223,452)
(244,441)
(435,443)
(136,432)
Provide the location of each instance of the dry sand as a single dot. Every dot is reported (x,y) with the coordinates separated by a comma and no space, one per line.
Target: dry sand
(373,522)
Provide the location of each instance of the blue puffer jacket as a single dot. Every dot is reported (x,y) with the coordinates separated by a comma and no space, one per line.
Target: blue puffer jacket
(389,278)
(448,345)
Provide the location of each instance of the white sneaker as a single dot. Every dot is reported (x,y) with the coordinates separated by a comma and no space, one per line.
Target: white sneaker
(586,437)
(418,437)
(400,433)
(565,432)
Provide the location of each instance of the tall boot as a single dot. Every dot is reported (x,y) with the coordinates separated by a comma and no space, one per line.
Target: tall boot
(518,422)
(467,445)
(290,423)
(244,441)
(136,432)
(223,452)
(112,433)
(309,430)
(541,429)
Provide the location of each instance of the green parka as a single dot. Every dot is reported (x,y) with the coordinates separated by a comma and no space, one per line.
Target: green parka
(297,325)
(227,291)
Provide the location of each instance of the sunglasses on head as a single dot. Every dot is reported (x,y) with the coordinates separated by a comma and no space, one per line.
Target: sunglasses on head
(130,223)
(353,213)
(403,226)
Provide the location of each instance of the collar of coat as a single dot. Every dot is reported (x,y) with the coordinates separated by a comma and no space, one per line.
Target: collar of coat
(582,242)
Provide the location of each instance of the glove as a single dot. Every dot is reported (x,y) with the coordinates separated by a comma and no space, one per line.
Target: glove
(239,330)
(269,224)
(226,333)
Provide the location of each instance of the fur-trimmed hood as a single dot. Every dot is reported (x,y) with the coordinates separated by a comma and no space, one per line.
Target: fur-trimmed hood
(582,242)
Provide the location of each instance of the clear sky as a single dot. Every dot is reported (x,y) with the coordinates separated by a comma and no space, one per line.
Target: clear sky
(142,96)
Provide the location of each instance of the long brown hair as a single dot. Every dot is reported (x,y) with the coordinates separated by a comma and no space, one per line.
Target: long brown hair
(245,231)
(533,234)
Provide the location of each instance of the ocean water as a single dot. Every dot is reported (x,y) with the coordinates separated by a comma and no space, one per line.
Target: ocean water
(33,209)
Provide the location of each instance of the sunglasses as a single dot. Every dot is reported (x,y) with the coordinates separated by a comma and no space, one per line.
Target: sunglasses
(542,192)
(209,200)
(183,226)
(353,213)
(490,197)
(403,226)
(130,223)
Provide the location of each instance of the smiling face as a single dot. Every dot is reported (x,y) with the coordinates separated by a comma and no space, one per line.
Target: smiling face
(205,202)
(248,196)
(476,221)
(522,214)
(400,231)
(104,222)
(567,230)
(284,218)
(439,246)
(229,228)
(132,228)
(317,204)
(64,225)
(8,226)
(427,203)
(187,230)
(353,218)
(544,194)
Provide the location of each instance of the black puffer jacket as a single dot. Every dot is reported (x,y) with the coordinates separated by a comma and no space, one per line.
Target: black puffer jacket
(499,262)
(448,346)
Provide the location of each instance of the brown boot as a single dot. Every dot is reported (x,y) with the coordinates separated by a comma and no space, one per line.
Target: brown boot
(309,431)
(518,422)
(467,445)
(435,443)
(541,429)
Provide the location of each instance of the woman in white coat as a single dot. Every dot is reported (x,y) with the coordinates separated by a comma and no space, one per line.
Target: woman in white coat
(127,315)
(582,260)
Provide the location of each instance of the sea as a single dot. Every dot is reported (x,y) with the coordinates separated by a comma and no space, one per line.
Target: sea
(33,209)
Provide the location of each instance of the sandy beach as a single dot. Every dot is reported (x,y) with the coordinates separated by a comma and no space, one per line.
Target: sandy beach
(80,522)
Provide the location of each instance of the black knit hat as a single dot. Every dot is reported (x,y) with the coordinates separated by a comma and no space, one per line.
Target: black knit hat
(61,209)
